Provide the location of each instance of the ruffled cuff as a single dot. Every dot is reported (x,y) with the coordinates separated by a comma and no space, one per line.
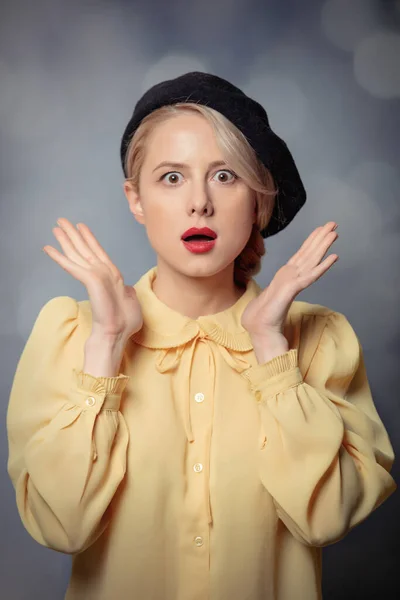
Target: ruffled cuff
(274,376)
(94,393)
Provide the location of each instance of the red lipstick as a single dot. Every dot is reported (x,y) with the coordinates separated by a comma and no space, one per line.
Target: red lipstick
(199,240)
(204,231)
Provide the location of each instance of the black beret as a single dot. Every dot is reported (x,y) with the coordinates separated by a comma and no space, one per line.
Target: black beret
(248,116)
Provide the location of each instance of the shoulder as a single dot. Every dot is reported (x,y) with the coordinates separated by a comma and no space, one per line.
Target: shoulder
(308,317)
(311,326)
(302,312)
(63,312)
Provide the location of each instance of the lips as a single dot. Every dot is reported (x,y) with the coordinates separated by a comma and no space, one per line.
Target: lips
(201,234)
(199,246)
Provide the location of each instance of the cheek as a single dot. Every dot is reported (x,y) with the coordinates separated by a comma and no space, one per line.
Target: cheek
(162,224)
(236,233)
(240,225)
(157,211)
(240,217)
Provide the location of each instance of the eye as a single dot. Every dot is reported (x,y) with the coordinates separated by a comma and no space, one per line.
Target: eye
(234,176)
(169,173)
(175,173)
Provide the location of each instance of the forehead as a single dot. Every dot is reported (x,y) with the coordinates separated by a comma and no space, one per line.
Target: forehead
(182,134)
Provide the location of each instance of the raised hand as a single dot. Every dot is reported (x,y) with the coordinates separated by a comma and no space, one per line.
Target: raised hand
(265,315)
(116,311)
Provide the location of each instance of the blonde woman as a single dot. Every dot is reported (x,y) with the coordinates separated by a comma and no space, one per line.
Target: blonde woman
(194,437)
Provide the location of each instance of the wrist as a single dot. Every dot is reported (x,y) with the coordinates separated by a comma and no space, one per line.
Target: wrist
(107,339)
(267,348)
(103,355)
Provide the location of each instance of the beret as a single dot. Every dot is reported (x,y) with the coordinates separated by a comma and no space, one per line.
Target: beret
(248,116)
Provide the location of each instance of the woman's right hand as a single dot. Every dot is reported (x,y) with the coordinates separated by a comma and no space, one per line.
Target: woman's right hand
(116,311)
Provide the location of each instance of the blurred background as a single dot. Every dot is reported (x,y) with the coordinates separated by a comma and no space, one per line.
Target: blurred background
(327,73)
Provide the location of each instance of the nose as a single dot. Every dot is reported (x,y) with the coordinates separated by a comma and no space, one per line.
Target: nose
(200,199)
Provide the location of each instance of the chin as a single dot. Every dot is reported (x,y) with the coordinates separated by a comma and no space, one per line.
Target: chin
(198,265)
(201,268)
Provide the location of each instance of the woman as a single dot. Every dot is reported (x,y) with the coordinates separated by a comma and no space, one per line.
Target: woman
(195,436)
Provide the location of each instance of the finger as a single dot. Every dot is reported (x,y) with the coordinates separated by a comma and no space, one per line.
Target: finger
(68,265)
(80,246)
(313,254)
(320,269)
(317,235)
(69,249)
(96,247)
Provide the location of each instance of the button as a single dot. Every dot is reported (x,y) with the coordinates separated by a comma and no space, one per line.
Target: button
(90,401)
(198,540)
(198,467)
(199,397)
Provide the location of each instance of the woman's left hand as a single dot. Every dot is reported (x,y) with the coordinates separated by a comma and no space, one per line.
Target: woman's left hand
(266,314)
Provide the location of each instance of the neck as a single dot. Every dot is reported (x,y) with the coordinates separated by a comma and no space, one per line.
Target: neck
(196,296)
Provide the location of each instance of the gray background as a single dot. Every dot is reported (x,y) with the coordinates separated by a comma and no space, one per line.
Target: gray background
(70,73)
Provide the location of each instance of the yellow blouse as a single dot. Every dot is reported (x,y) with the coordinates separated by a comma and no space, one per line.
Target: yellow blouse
(197,473)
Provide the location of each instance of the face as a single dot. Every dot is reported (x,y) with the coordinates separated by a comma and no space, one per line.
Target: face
(172,199)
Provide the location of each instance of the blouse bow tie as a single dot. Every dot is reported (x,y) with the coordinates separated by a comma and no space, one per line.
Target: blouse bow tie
(175,358)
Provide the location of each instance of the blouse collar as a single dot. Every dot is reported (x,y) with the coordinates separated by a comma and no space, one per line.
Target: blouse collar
(164,327)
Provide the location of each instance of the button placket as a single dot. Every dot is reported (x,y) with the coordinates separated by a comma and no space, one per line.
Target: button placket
(198,495)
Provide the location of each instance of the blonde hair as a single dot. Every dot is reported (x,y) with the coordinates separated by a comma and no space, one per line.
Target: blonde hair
(238,154)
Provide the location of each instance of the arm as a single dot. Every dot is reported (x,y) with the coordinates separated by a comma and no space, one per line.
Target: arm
(103,356)
(67,436)
(327,457)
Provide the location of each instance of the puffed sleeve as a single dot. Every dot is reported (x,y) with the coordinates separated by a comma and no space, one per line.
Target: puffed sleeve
(327,457)
(67,437)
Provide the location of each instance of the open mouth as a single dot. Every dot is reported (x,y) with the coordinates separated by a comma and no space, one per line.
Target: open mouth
(199,238)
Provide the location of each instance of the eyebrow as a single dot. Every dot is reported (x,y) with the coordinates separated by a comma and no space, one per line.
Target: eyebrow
(167,163)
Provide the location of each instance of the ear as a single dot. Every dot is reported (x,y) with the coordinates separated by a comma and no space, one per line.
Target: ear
(135,205)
